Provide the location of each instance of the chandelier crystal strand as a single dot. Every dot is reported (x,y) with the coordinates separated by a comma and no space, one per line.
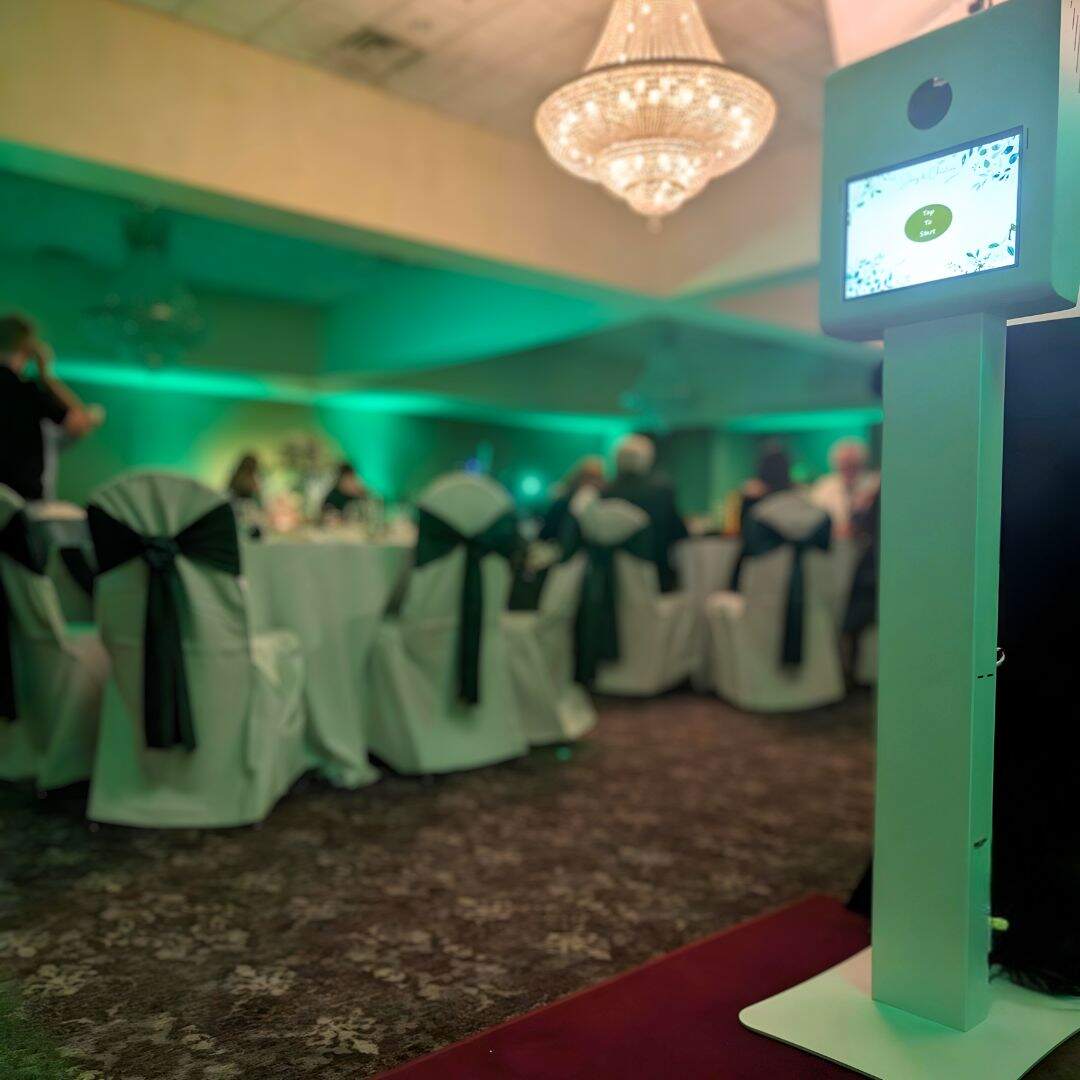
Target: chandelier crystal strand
(656,114)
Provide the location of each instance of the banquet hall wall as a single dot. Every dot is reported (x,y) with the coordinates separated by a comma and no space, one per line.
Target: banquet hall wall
(204,435)
(201,426)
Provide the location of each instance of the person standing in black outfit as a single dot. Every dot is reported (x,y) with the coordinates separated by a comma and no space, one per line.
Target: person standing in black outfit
(636,482)
(25,403)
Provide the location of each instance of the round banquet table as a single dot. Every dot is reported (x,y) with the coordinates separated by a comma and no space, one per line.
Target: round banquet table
(704,565)
(331,593)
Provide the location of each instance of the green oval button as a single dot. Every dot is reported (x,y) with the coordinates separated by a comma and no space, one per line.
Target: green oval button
(928,223)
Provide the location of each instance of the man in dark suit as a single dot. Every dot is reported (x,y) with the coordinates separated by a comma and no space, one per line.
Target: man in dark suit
(636,482)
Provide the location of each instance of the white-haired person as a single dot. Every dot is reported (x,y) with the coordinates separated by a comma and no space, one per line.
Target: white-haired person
(850,488)
(637,482)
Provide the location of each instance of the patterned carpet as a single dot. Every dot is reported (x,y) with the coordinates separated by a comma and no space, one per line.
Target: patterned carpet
(356,930)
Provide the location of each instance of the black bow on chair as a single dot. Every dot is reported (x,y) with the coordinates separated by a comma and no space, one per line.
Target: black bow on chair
(435,539)
(16,542)
(761,538)
(212,541)
(596,626)
(78,566)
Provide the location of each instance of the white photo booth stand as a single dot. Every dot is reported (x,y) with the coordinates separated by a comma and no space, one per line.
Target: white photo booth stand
(951,203)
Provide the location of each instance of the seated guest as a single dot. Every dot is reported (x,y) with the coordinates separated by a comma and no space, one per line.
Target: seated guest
(773,474)
(245,484)
(579,487)
(349,491)
(848,488)
(245,494)
(636,482)
(26,402)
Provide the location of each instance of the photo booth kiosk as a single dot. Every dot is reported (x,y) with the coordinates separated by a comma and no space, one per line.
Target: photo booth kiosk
(950,203)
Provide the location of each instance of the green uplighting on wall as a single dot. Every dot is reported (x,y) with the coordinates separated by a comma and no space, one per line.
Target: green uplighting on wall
(194,381)
(238,385)
(814,420)
(450,408)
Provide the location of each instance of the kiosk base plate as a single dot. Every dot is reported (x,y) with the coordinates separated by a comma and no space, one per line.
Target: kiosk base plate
(833,1016)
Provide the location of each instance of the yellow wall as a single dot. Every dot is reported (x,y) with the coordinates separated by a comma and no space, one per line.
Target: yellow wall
(98,80)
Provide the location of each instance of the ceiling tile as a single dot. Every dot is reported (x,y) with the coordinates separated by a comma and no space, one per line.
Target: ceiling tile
(427,23)
(237,17)
(307,29)
(493,61)
(160,5)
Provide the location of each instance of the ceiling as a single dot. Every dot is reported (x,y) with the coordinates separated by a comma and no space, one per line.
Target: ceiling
(491,62)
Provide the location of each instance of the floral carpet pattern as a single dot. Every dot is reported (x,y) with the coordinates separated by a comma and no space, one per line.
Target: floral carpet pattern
(357,930)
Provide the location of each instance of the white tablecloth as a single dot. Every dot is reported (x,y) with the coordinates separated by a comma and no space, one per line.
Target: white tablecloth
(58,526)
(331,593)
(704,565)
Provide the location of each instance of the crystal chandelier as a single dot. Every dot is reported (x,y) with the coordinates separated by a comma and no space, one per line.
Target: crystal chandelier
(656,114)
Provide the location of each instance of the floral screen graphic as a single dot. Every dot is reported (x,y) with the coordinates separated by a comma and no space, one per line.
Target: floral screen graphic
(951,215)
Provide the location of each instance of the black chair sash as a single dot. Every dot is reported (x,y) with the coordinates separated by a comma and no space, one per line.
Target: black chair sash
(596,625)
(211,541)
(760,539)
(78,566)
(17,543)
(436,539)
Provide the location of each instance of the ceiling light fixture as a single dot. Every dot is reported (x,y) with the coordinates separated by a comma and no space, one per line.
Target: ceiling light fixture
(656,114)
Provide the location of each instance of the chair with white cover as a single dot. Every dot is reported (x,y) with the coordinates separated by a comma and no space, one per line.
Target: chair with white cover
(203,724)
(554,708)
(866,657)
(52,673)
(632,639)
(442,696)
(774,643)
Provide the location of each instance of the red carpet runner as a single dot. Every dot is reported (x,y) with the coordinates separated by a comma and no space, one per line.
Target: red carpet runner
(674,1018)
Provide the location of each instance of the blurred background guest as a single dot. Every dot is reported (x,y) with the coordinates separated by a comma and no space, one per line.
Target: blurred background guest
(25,403)
(348,494)
(245,484)
(849,488)
(638,483)
(579,487)
(245,494)
(773,474)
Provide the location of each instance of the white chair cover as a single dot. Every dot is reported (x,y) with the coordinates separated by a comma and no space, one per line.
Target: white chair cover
(554,708)
(60,673)
(418,722)
(656,630)
(866,656)
(246,691)
(747,627)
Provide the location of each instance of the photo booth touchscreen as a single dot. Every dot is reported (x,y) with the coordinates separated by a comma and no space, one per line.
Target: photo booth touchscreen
(939,217)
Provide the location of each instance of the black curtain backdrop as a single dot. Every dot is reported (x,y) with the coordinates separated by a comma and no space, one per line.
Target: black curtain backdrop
(1036,853)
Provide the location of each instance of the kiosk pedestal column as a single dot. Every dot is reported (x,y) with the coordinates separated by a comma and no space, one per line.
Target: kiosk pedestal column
(941,526)
(920,1003)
